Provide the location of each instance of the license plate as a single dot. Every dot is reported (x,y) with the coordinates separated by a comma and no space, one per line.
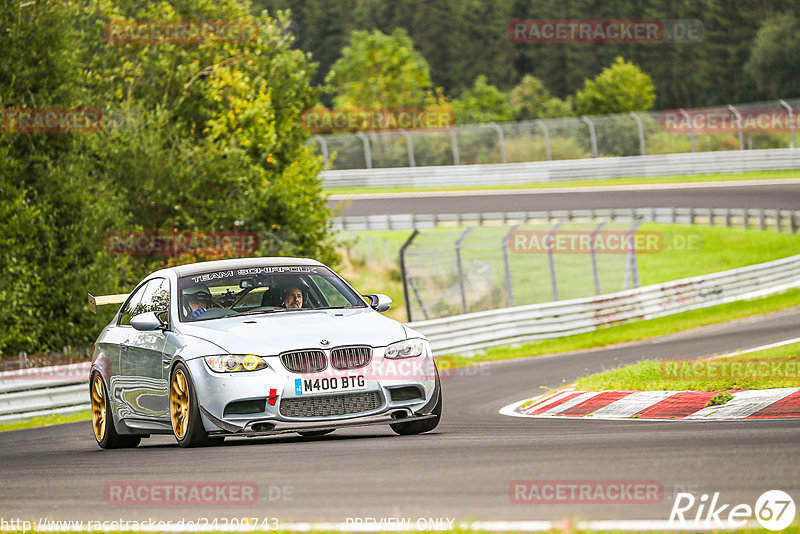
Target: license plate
(304,386)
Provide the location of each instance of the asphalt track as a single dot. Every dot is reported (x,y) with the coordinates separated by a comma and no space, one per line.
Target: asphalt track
(721,195)
(462,470)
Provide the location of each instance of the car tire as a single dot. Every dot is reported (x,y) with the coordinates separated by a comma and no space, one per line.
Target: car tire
(426,425)
(184,411)
(105,433)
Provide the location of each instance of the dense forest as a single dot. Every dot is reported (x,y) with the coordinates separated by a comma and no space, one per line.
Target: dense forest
(750,49)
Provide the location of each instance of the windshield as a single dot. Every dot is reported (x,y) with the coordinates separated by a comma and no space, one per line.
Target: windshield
(257,290)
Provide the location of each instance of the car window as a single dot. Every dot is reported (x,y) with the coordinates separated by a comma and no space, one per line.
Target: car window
(130,306)
(332,295)
(217,294)
(154,297)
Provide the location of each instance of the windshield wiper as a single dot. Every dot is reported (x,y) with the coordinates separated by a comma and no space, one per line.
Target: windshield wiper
(257,312)
(338,307)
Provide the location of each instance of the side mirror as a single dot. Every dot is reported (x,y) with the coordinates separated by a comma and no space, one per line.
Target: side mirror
(147,322)
(379,302)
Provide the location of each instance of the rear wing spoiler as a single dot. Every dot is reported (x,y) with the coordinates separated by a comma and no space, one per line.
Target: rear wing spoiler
(102,300)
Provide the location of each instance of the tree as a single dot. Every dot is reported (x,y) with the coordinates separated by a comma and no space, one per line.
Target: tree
(379,71)
(531,100)
(482,102)
(775,57)
(619,88)
(199,137)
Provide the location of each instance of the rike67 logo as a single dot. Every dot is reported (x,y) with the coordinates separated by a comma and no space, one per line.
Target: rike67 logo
(774,510)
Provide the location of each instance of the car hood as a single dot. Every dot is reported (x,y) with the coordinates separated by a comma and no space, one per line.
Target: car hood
(278,332)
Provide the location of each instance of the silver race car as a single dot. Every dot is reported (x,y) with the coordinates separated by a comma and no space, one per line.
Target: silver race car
(251,347)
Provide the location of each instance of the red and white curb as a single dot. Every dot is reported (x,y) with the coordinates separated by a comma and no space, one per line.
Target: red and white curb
(659,405)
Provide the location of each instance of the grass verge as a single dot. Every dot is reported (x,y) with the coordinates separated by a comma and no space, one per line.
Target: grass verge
(770,368)
(43,420)
(636,331)
(633,180)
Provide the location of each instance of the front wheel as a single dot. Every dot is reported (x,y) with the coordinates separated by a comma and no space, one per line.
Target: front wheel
(102,424)
(426,425)
(184,412)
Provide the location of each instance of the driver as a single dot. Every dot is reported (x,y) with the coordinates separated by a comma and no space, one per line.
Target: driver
(196,306)
(292,297)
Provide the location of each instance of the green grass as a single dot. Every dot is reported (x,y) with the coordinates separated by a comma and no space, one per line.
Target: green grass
(695,250)
(634,180)
(43,420)
(770,368)
(635,331)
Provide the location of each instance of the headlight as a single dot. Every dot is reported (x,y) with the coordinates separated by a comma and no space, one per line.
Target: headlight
(233,363)
(409,348)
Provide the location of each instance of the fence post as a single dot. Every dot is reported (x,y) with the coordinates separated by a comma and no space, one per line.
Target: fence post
(640,126)
(738,125)
(632,265)
(594,259)
(791,121)
(460,268)
(541,123)
(686,116)
(501,140)
(367,151)
(409,148)
(592,136)
(454,145)
(403,273)
(324,146)
(507,267)
(552,260)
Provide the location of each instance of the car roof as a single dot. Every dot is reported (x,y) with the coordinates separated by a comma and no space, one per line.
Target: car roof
(238,263)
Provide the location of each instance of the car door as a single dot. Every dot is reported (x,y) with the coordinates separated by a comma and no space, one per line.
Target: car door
(145,394)
(116,347)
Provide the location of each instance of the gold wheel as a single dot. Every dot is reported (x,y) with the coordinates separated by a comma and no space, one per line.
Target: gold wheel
(179,404)
(98,408)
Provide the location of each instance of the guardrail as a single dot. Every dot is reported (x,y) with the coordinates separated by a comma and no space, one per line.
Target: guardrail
(747,218)
(475,331)
(41,391)
(37,391)
(732,161)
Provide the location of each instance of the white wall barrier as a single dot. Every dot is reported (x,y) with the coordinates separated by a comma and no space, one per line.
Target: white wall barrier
(36,391)
(732,161)
(747,218)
